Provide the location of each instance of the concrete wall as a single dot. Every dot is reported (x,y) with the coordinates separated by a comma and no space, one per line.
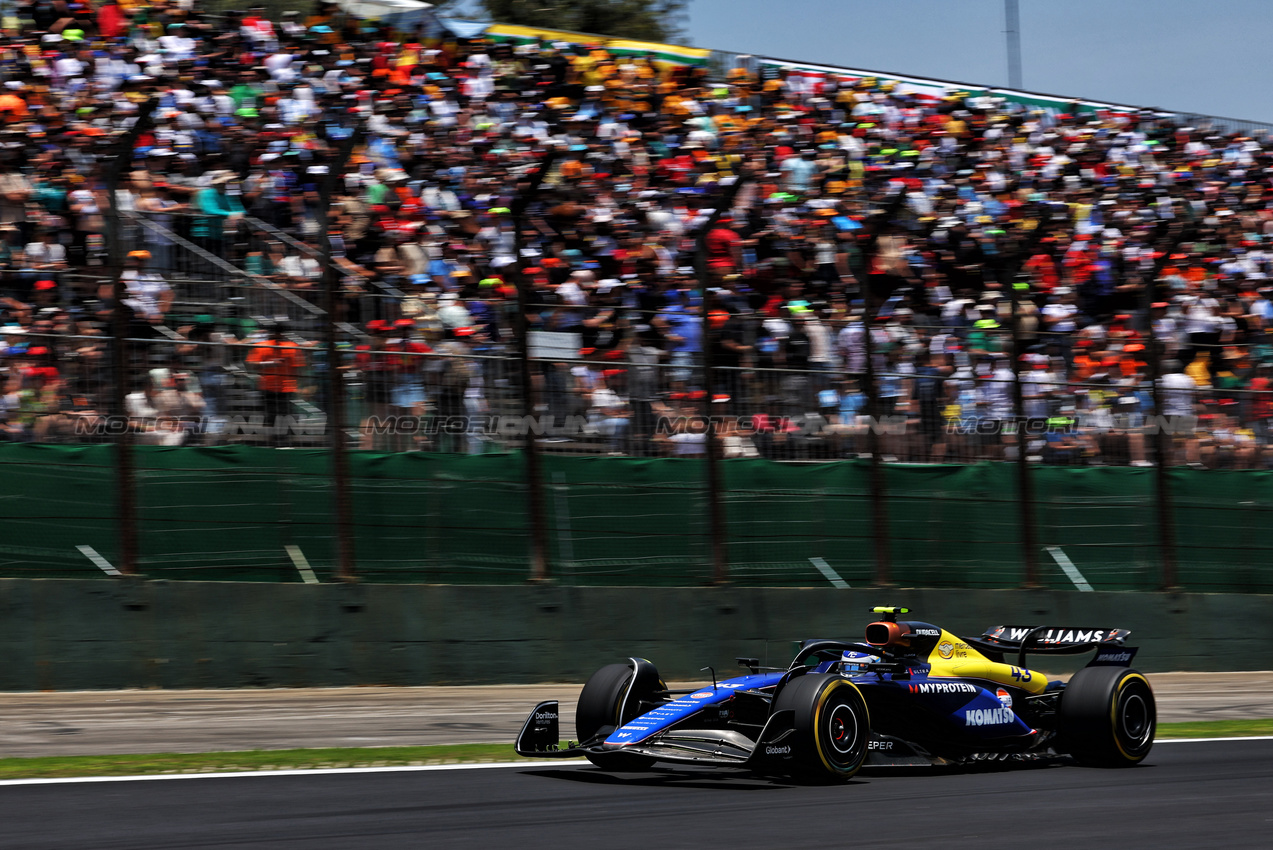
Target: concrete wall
(71,634)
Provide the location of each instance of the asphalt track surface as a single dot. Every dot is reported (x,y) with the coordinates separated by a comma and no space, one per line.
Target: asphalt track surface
(109,722)
(1186,795)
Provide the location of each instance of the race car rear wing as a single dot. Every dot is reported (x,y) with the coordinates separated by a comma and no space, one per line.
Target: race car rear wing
(1057,640)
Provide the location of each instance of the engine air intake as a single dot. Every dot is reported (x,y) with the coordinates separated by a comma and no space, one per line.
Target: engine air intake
(887,634)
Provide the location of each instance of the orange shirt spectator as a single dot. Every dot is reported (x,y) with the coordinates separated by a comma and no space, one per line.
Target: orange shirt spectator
(278,363)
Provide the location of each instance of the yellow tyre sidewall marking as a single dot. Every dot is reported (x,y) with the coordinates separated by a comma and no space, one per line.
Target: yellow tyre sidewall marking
(1113,712)
(817,723)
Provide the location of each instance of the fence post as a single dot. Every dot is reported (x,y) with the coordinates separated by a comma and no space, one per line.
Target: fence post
(878,485)
(1162,450)
(345,569)
(893,199)
(1162,457)
(1025,487)
(540,564)
(717,528)
(125,473)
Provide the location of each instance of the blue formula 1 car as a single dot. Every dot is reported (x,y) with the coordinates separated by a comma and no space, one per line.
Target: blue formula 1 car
(911,694)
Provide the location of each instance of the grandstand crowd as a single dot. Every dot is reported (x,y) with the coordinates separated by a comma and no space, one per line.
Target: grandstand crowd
(1128,246)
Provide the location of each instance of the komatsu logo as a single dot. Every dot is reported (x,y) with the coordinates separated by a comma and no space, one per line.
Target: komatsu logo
(943,688)
(989,717)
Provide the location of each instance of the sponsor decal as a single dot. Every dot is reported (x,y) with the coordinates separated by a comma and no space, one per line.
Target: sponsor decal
(1055,636)
(544,716)
(927,632)
(624,735)
(880,745)
(1005,698)
(945,649)
(988,717)
(701,695)
(734,685)
(1113,656)
(856,662)
(943,688)
(778,751)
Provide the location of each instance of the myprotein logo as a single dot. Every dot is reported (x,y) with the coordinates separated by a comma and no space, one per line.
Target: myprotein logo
(943,688)
(778,751)
(989,717)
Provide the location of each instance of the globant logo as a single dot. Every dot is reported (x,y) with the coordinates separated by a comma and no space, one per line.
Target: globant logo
(778,751)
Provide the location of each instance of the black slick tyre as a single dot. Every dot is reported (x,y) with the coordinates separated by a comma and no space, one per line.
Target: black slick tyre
(605,701)
(1107,717)
(832,727)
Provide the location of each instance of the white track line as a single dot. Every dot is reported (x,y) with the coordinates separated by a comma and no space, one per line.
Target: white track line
(321,771)
(331,771)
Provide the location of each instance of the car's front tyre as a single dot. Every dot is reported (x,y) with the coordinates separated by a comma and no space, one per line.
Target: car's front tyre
(832,726)
(606,701)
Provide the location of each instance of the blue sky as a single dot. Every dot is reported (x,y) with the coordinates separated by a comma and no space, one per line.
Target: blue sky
(1182,55)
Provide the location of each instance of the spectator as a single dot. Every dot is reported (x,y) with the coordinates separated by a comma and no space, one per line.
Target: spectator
(864,199)
(278,362)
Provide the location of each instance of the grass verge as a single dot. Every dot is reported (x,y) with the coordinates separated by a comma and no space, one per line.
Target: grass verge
(158,763)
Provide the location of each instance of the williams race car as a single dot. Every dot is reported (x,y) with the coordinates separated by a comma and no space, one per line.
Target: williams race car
(911,694)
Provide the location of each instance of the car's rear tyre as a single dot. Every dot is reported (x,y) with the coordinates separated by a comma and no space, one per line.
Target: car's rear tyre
(1107,717)
(832,727)
(605,701)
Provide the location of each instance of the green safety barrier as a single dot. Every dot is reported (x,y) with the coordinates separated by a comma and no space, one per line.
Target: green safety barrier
(244,513)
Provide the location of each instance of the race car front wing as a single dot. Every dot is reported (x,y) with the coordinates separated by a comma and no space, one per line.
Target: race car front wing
(540,738)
